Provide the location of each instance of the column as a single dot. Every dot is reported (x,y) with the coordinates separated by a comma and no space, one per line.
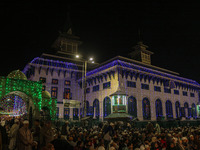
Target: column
(71,113)
(139,110)
(174,109)
(101,110)
(153,110)
(164,110)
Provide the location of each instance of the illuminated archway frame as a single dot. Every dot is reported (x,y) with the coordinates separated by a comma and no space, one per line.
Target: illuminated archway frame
(32,89)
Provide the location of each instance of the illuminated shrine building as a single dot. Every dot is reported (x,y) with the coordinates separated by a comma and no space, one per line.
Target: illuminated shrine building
(151,92)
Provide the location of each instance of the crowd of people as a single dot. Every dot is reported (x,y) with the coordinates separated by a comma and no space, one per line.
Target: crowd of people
(17,135)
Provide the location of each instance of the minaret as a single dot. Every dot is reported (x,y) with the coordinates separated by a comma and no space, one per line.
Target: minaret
(141,53)
(67,43)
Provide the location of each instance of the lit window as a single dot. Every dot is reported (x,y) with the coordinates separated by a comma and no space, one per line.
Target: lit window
(54,92)
(67,82)
(43,88)
(66,94)
(54,81)
(42,79)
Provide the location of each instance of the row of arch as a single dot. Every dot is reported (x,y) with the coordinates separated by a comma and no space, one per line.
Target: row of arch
(146,108)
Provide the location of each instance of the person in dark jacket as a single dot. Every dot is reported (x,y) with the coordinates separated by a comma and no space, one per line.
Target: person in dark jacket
(65,128)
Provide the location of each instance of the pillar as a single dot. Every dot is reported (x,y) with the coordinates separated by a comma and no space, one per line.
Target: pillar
(139,110)
(71,113)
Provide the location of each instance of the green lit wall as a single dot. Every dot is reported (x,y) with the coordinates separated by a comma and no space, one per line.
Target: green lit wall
(32,89)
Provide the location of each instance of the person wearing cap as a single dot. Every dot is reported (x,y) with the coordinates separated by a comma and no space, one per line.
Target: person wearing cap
(25,137)
(13,134)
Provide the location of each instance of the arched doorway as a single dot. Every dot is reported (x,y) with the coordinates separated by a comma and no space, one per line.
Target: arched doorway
(132,106)
(159,111)
(146,109)
(169,109)
(106,106)
(96,108)
(177,106)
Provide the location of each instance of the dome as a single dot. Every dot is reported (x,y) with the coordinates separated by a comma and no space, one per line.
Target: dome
(17,74)
(46,94)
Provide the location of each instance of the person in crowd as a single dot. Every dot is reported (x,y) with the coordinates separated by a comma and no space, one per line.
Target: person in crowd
(13,134)
(25,137)
(36,133)
(65,128)
(47,134)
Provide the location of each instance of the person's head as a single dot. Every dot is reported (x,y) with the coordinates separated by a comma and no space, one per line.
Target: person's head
(26,123)
(66,122)
(50,146)
(147,147)
(71,138)
(48,124)
(191,137)
(172,145)
(184,139)
(37,122)
(16,121)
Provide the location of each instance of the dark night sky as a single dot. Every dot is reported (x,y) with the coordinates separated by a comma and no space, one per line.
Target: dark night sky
(170,29)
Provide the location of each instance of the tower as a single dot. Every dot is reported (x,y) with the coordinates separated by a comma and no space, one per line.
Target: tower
(141,53)
(67,43)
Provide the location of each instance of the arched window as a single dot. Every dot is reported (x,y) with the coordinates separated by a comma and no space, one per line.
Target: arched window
(132,106)
(146,109)
(186,107)
(193,111)
(177,106)
(106,106)
(96,108)
(169,109)
(159,111)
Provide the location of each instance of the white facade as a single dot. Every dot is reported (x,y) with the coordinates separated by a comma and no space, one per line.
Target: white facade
(117,71)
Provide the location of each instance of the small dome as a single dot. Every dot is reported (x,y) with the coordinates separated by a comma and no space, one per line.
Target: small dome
(46,94)
(17,74)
